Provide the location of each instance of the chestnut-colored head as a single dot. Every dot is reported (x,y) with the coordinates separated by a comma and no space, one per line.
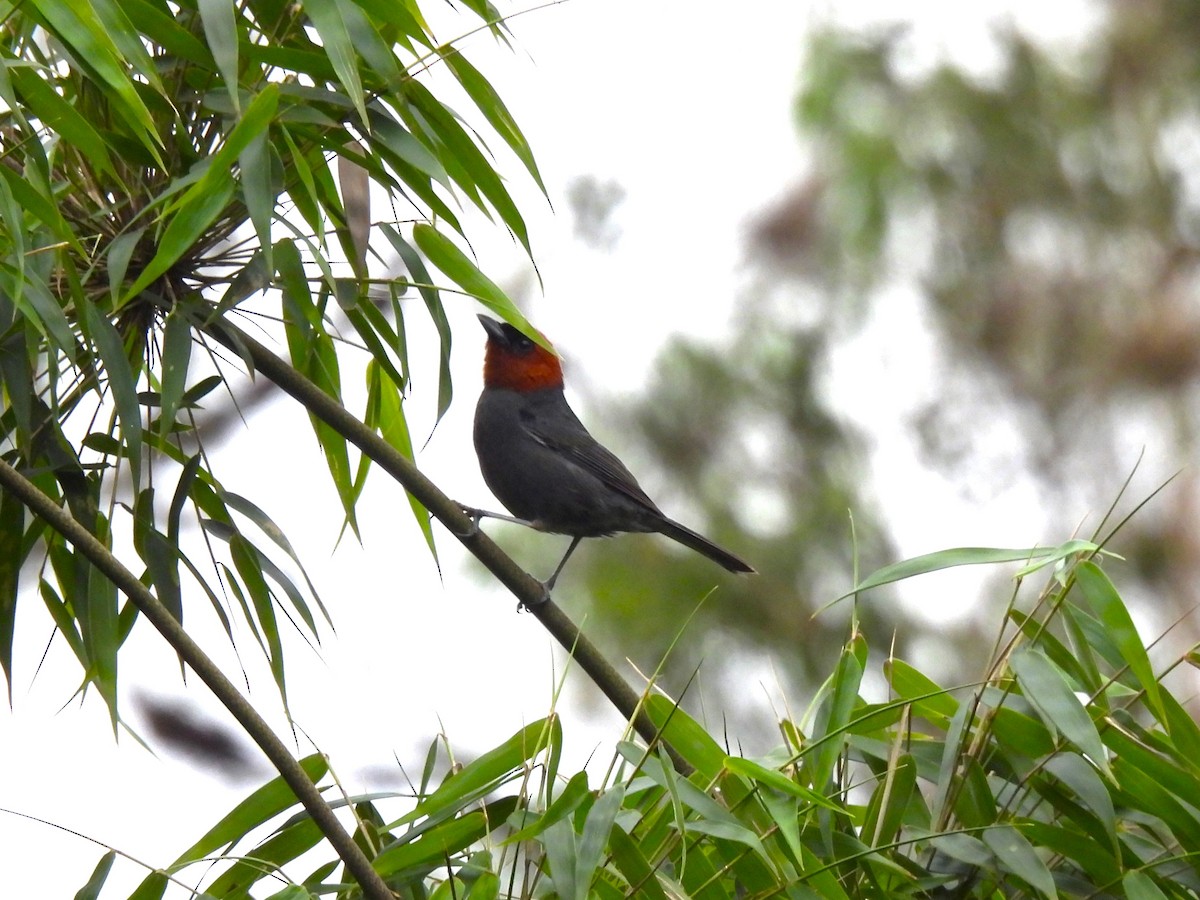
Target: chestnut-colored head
(516,363)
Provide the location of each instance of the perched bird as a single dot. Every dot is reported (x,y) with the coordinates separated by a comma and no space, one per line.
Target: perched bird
(544,466)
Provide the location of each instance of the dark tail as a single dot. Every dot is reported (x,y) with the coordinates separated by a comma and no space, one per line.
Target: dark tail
(703,545)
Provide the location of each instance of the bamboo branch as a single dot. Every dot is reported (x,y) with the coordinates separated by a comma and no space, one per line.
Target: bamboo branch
(302,786)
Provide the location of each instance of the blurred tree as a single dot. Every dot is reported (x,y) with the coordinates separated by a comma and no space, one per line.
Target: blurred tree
(1046,216)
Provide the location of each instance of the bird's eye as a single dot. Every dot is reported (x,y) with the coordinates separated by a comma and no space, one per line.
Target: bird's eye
(524,344)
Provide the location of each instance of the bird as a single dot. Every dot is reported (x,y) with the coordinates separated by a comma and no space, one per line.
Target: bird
(540,461)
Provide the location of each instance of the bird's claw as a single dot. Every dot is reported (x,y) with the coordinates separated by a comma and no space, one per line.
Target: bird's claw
(522,606)
(475,515)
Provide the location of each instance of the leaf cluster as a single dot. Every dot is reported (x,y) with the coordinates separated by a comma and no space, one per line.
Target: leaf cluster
(165,166)
(1070,769)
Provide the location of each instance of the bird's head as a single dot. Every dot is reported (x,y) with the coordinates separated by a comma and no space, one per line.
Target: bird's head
(516,362)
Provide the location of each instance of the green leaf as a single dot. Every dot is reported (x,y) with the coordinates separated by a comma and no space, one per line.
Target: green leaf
(12,529)
(1102,596)
(396,140)
(49,315)
(1140,886)
(777,781)
(248,563)
(267,859)
(594,841)
(446,256)
(33,197)
(91,890)
(120,250)
(329,19)
(446,839)
(839,693)
(159,554)
(1045,687)
(686,736)
(38,98)
(568,800)
(220,30)
(265,803)
(484,774)
(176,354)
(1075,772)
(464,160)
(97,617)
(393,428)
(79,26)
(928,698)
(207,199)
(437,312)
(1019,857)
(629,860)
(493,108)
(268,527)
(256,164)
(949,559)
(889,805)
(121,382)
(197,211)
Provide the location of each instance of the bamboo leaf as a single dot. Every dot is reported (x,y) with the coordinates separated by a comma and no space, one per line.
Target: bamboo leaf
(39,99)
(267,859)
(485,773)
(196,210)
(256,171)
(91,890)
(437,312)
(1020,858)
(393,428)
(248,563)
(176,354)
(594,841)
(264,804)
(12,530)
(949,559)
(79,26)
(329,20)
(1103,598)
(220,30)
(1045,687)
(446,256)
(489,103)
(121,382)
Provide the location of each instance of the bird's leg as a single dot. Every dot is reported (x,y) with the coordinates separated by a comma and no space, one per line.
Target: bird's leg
(548,585)
(553,578)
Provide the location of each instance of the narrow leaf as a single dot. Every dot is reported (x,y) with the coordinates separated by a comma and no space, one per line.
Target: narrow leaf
(120,381)
(176,354)
(446,256)
(265,803)
(1019,857)
(1045,687)
(1102,596)
(220,30)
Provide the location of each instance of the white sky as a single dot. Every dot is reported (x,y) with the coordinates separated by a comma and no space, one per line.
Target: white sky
(691,114)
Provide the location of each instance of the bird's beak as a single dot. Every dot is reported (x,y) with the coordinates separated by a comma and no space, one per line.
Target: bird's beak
(494,329)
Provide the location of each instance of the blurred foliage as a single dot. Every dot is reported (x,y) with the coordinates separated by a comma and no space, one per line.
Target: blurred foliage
(1046,213)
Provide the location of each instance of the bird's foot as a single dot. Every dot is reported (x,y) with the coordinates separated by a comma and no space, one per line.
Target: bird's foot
(475,515)
(545,598)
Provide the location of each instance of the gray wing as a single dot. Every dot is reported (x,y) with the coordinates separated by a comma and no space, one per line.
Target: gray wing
(566,435)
